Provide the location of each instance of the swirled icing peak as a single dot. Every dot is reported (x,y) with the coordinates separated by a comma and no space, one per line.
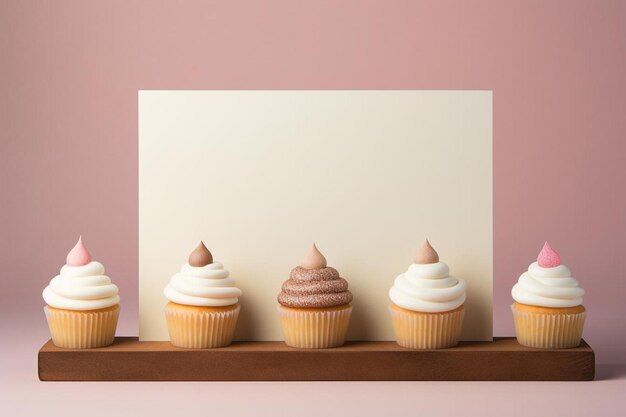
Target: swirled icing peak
(79,255)
(313,259)
(548,258)
(313,284)
(81,284)
(200,256)
(426,254)
(203,284)
(429,288)
(551,287)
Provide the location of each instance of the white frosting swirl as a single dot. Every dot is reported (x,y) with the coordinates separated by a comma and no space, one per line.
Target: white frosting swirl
(428,288)
(548,287)
(81,288)
(204,286)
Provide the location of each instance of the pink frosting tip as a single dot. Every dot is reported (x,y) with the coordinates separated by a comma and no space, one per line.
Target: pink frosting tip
(79,255)
(548,258)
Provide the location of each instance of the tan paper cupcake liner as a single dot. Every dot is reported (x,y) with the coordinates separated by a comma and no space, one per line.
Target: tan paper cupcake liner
(548,331)
(82,330)
(199,329)
(417,330)
(315,329)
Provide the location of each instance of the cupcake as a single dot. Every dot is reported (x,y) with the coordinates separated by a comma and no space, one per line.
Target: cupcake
(314,304)
(203,303)
(83,304)
(548,309)
(427,303)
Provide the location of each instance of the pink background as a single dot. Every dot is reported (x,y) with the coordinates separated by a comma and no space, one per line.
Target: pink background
(70,72)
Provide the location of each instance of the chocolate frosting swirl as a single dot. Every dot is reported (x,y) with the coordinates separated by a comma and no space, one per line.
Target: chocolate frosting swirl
(314,288)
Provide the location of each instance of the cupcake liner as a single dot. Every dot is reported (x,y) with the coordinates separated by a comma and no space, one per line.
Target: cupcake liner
(548,331)
(80,329)
(201,329)
(315,329)
(418,330)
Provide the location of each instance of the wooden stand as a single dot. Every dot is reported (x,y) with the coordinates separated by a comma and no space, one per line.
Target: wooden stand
(130,360)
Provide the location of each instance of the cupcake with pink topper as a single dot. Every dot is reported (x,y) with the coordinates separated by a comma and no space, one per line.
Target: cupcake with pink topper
(548,308)
(82,303)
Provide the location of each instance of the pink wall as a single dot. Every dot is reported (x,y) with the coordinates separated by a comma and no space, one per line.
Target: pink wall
(70,72)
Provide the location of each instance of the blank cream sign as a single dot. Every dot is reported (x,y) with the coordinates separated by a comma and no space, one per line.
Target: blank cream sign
(366,175)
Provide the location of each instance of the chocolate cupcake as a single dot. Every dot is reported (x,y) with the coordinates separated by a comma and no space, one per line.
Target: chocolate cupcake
(315,304)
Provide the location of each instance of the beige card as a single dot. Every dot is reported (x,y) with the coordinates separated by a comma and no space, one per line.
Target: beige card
(367,175)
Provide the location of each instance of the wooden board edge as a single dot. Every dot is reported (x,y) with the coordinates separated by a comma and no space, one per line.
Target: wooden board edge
(586,361)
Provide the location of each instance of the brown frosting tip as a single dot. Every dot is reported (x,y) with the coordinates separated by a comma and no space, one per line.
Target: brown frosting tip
(426,254)
(200,256)
(313,259)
